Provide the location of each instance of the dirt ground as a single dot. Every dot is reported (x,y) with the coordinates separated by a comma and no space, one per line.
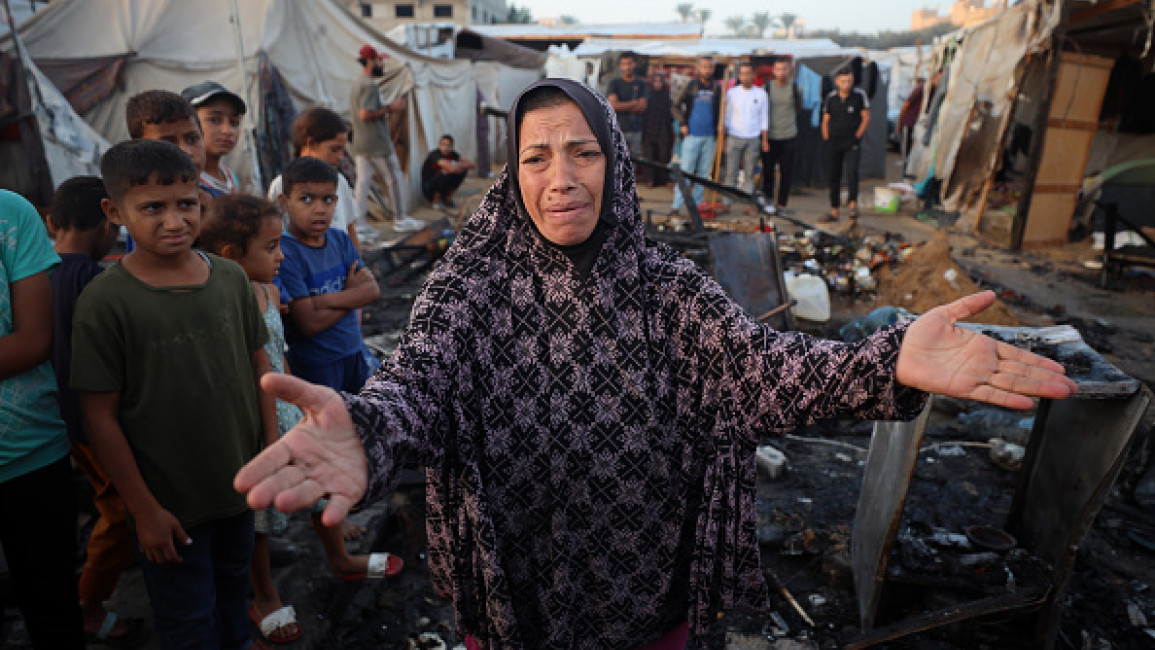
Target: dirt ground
(805,516)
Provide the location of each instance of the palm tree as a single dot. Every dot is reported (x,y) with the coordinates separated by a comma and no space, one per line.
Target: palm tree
(685,10)
(760,21)
(704,16)
(734,24)
(787,21)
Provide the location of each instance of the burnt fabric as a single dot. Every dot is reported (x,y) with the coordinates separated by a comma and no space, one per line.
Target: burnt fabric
(589,437)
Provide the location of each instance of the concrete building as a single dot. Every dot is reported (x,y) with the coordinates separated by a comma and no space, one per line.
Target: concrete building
(387,14)
(963,13)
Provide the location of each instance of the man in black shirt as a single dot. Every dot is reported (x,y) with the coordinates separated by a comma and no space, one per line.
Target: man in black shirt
(442,173)
(627,95)
(845,116)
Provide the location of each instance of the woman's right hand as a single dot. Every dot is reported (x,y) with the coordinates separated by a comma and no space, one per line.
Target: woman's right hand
(320,457)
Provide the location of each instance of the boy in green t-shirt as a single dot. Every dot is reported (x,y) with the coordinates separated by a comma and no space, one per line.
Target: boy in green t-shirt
(167,353)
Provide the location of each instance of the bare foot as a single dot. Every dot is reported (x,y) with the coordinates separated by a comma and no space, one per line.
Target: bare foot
(350,530)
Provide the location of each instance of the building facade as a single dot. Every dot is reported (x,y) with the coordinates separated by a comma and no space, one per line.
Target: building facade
(963,13)
(387,14)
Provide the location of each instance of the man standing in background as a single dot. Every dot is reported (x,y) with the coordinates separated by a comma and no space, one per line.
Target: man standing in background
(372,144)
(697,109)
(627,95)
(744,130)
(785,103)
(845,116)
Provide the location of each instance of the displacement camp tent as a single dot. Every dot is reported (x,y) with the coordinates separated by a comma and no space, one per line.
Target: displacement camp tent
(503,70)
(295,54)
(43,142)
(1033,102)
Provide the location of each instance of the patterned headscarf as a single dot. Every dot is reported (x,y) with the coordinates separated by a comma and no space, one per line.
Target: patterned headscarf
(590,438)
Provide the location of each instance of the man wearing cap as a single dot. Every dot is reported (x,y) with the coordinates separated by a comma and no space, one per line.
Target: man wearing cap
(219,112)
(372,145)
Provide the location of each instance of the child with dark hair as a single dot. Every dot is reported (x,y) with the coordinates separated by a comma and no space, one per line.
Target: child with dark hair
(165,116)
(168,348)
(219,113)
(320,133)
(247,230)
(442,173)
(325,282)
(83,237)
(37,501)
(161,115)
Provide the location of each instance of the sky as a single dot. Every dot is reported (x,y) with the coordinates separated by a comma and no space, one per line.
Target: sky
(845,15)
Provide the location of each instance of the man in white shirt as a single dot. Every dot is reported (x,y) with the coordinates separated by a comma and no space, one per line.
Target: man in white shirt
(744,128)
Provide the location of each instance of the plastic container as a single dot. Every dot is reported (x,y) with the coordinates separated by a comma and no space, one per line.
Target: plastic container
(812,295)
(886,199)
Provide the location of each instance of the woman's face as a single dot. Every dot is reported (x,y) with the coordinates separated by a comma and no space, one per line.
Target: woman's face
(562,170)
(658,82)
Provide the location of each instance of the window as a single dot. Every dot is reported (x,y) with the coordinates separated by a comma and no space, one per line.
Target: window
(404,11)
(366,10)
(442,11)
(473,11)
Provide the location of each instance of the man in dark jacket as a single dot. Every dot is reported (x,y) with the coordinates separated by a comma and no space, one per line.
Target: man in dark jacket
(698,111)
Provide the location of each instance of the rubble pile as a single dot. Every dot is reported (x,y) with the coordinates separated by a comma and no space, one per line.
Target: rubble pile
(849,266)
(929,278)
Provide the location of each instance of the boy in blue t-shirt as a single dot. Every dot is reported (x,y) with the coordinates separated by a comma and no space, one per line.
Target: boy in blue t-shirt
(324,281)
(37,504)
(168,347)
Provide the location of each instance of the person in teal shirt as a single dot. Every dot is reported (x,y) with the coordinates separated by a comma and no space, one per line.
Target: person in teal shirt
(37,504)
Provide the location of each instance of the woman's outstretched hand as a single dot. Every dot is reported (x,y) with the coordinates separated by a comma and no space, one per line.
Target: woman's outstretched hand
(938,357)
(320,457)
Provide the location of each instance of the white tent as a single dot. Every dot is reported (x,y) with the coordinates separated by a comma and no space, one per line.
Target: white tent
(906,65)
(69,146)
(167,44)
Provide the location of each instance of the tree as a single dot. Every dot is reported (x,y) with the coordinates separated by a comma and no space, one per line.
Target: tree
(519,15)
(735,24)
(760,21)
(685,10)
(787,20)
(704,16)
(883,40)
(567,20)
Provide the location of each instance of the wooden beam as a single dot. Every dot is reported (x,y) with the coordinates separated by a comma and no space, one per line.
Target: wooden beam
(1101,8)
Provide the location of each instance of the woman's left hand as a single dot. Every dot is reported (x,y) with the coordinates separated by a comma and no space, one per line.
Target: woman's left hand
(938,357)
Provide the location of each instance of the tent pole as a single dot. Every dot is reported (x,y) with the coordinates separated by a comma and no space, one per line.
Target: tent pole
(250,126)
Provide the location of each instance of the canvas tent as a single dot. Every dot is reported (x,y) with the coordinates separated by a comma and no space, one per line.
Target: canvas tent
(1032,102)
(43,142)
(295,54)
(503,70)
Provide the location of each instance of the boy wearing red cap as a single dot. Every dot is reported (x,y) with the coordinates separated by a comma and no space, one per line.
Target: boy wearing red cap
(372,145)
